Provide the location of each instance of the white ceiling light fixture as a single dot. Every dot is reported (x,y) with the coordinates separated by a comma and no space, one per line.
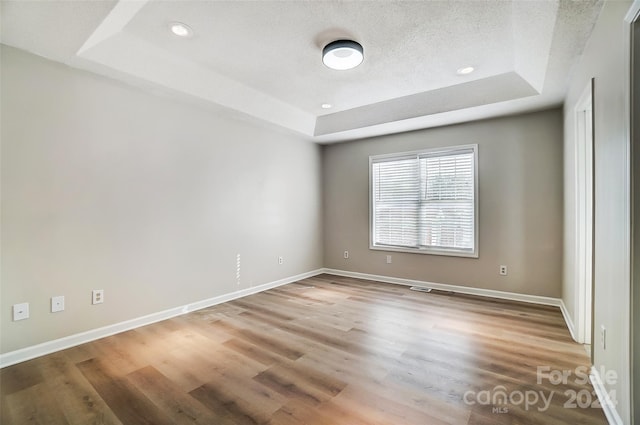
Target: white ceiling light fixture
(342,54)
(326,106)
(180,29)
(465,71)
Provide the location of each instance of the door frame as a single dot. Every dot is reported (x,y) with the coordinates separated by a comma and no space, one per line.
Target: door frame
(632,103)
(584,223)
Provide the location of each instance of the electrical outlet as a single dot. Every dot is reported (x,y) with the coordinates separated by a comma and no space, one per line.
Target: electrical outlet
(503,270)
(20,311)
(57,304)
(603,337)
(346,254)
(280,260)
(97,296)
(389,259)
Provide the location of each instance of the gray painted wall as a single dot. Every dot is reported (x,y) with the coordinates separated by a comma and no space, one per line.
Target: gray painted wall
(520,205)
(604,59)
(107,187)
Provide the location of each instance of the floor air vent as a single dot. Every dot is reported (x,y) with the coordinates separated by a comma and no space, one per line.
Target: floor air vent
(420,289)
(431,290)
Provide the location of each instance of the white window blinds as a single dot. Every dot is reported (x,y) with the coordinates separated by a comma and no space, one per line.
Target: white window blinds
(425,201)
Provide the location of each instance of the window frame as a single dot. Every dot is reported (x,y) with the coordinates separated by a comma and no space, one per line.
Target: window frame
(441,151)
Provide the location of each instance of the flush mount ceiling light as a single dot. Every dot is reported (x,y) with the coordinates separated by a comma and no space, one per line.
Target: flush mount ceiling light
(342,54)
(465,70)
(180,29)
(326,106)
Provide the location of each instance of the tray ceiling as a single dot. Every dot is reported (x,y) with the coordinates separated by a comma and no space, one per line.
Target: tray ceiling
(263,58)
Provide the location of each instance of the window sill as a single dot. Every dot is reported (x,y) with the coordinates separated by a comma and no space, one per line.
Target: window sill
(444,252)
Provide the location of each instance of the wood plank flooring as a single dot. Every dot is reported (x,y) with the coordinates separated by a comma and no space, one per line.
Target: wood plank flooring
(323,351)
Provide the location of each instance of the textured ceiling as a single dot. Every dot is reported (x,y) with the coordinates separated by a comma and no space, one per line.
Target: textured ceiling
(263,58)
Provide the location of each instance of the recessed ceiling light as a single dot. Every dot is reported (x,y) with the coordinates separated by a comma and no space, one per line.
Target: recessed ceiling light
(326,106)
(180,29)
(465,71)
(342,54)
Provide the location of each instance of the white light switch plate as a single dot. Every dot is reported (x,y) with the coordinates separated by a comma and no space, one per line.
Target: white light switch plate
(20,311)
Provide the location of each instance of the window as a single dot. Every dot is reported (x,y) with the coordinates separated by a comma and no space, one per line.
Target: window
(425,201)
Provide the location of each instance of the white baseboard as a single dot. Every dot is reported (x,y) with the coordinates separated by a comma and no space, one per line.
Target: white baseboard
(28,353)
(568,320)
(513,296)
(608,405)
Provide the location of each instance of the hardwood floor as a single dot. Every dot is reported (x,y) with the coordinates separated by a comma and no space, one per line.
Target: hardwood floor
(323,351)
